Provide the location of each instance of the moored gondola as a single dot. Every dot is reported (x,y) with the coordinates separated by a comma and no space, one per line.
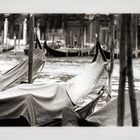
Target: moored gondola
(42,103)
(64,51)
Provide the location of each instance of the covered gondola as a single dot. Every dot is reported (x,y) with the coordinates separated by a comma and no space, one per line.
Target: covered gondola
(19,73)
(107,115)
(43,104)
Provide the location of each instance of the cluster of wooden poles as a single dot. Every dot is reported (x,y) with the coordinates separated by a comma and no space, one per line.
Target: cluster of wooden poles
(126,69)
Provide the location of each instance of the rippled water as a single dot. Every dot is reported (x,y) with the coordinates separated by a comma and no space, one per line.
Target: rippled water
(63,69)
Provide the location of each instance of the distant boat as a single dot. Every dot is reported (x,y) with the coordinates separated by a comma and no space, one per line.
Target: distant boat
(7,48)
(61,52)
(64,51)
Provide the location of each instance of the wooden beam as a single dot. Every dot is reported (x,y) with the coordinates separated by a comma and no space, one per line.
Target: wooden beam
(97,30)
(123,70)
(132,97)
(126,68)
(31,44)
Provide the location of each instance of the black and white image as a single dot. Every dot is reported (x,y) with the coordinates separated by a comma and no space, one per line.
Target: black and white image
(69,69)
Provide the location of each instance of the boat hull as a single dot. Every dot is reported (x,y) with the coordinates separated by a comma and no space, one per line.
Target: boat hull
(63,53)
(59,53)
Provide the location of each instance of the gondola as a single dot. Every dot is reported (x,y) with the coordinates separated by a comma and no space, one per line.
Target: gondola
(107,115)
(19,73)
(61,52)
(64,51)
(43,104)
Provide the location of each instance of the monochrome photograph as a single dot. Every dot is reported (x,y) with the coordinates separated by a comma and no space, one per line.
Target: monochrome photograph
(69,69)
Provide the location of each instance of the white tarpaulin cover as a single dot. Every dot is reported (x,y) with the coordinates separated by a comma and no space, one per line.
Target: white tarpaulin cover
(41,103)
(86,81)
(19,73)
(107,115)
(38,103)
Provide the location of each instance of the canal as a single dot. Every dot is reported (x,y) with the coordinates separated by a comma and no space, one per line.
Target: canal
(64,68)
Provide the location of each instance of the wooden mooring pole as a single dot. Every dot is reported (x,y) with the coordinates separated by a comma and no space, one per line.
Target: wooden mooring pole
(2,41)
(132,97)
(30,54)
(123,70)
(126,70)
(111,44)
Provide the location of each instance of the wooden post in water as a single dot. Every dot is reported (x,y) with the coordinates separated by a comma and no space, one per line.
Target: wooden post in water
(31,44)
(136,34)
(15,49)
(111,43)
(82,37)
(123,70)
(2,41)
(97,29)
(130,71)
(19,35)
(47,30)
(134,24)
(126,68)
(53,38)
